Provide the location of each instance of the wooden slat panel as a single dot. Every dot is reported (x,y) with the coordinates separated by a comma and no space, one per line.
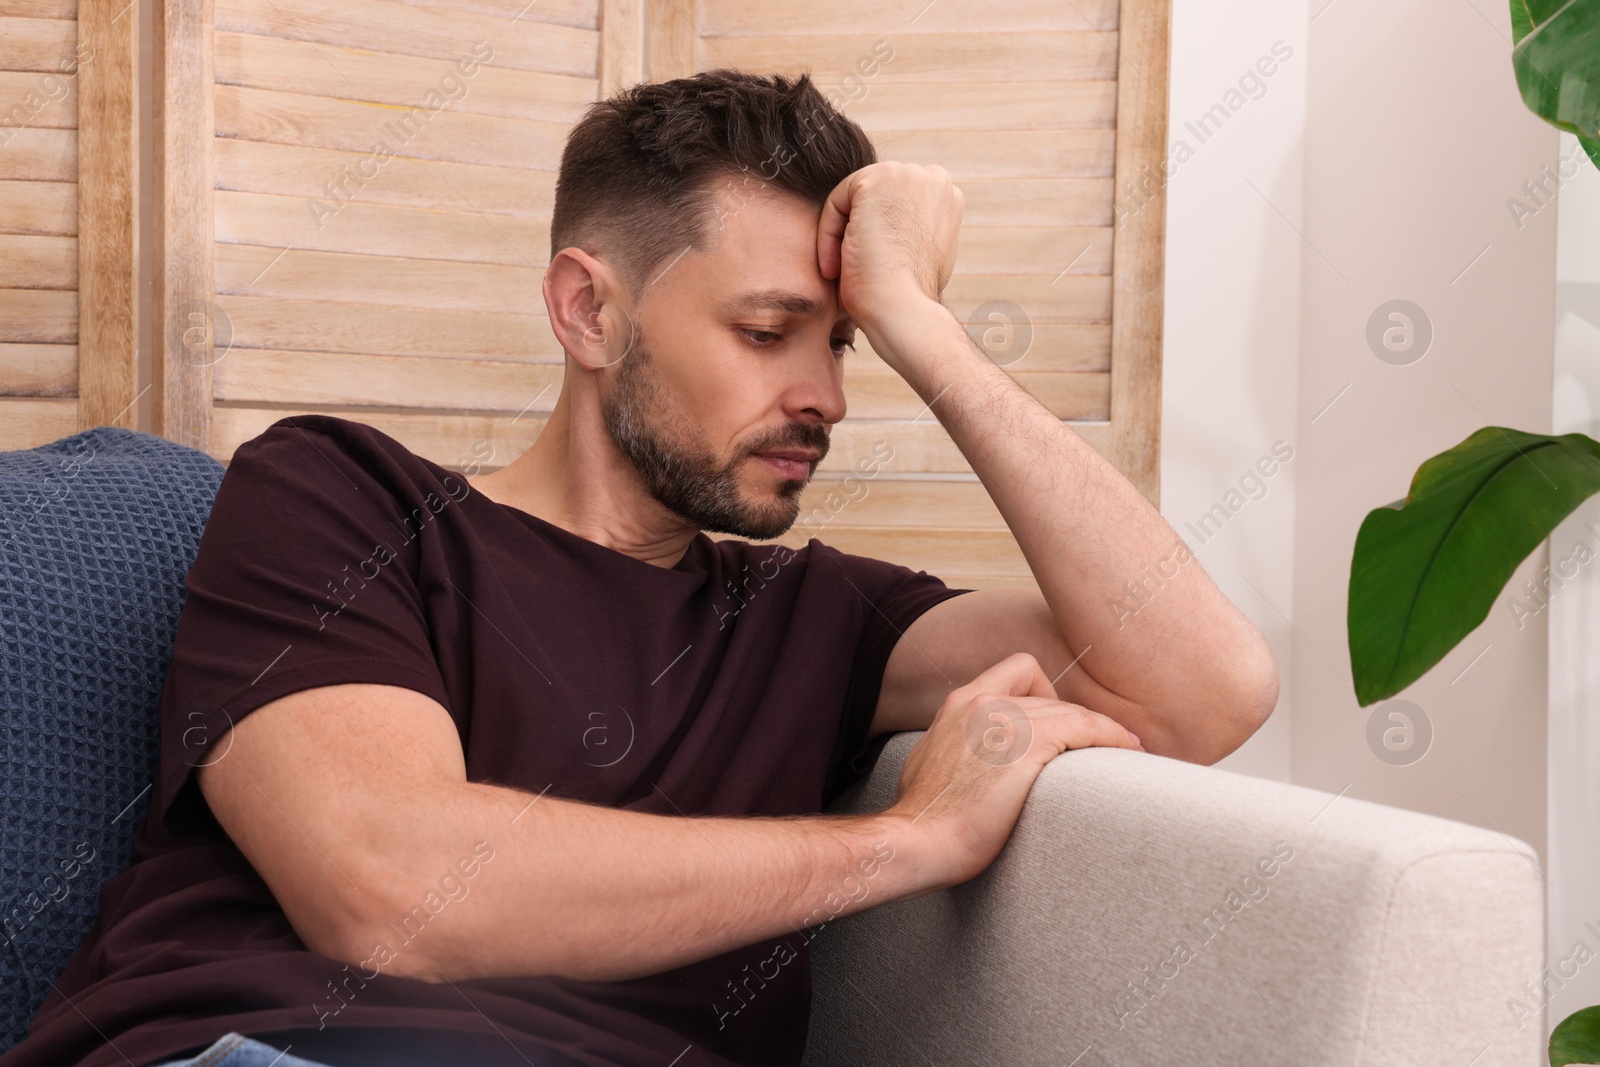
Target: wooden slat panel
(1047,250)
(874,390)
(1140,250)
(29,423)
(250,218)
(309,325)
(887,500)
(391,245)
(39,207)
(920,445)
(1068,298)
(299,66)
(1037,202)
(581,13)
(1006,153)
(1034,152)
(33,155)
(984,105)
(108,252)
(1055,347)
(447,438)
(43,101)
(670,39)
(367,279)
(183,219)
(288,170)
(28,262)
(1063,347)
(336,378)
(45,45)
(622,44)
(965,57)
(382,26)
(724,18)
(1071,396)
(38,370)
(38,316)
(254,271)
(341,378)
(40,9)
(880,393)
(453,231)
(417,133)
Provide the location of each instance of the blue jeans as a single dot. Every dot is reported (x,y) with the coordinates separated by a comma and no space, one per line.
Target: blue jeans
(236,1050)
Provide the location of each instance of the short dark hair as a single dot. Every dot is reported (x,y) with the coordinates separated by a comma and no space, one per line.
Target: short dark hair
(641,168)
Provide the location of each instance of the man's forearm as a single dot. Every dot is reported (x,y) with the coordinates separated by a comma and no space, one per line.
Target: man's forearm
(607,894)
(1087,533)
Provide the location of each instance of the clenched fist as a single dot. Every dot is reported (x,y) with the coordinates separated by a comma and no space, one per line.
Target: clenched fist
(888,232)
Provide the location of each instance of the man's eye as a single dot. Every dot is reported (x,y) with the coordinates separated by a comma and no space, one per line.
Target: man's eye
(769,338)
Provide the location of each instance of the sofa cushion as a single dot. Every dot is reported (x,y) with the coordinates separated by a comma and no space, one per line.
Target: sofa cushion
(97,532)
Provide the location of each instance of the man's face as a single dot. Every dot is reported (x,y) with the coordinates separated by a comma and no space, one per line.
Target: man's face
(731,369)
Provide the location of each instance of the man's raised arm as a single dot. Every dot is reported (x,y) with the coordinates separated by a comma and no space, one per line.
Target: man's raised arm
(1191,674)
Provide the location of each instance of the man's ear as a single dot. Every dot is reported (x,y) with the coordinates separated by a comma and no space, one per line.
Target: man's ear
(587,311)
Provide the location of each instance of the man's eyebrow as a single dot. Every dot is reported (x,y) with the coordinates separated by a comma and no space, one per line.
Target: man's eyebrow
(773,300)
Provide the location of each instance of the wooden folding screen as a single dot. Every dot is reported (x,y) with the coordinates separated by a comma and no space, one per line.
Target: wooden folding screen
(355,194)
(69,274)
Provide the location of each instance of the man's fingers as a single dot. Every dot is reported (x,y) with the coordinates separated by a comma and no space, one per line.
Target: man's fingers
(830,229)
(1018,675)
(1074,726)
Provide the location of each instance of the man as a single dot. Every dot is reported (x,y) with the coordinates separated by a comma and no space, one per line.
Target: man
(524,767)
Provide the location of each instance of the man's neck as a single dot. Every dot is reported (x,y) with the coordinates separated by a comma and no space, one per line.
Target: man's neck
(590,492)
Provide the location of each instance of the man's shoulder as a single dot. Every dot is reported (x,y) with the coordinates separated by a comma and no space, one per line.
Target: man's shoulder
(311,448)
(317,432)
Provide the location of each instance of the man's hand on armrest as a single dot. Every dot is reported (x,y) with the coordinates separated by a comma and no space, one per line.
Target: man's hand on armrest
(352,803)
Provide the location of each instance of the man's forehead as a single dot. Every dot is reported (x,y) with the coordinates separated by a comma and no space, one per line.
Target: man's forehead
(771,225)
(764,259)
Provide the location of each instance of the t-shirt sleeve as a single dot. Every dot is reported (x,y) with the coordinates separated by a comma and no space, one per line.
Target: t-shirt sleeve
(891,596)
(304,577)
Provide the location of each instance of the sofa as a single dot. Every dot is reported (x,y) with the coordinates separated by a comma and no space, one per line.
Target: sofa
(1148,911)
(1145,910)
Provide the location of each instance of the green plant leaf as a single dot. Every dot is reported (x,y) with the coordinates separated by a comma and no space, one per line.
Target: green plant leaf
(1591,145)
(1427,569)
(1557,64)
(1576,1039)
(1521,21)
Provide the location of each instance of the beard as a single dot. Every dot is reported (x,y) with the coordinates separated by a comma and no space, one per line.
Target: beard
(678,464)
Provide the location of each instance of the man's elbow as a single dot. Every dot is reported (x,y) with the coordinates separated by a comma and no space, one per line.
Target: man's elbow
(1241,705)
(1253,699)
(1259,699)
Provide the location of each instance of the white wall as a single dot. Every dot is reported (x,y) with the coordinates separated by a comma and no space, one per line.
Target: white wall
(1377,166)
(1415,139)
(1574,604)
(1232,317)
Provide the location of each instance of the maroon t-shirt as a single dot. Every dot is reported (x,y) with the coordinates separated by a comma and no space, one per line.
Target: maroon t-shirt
(741,681)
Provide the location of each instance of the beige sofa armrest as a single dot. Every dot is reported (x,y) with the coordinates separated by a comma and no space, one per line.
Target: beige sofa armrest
(1150,911)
